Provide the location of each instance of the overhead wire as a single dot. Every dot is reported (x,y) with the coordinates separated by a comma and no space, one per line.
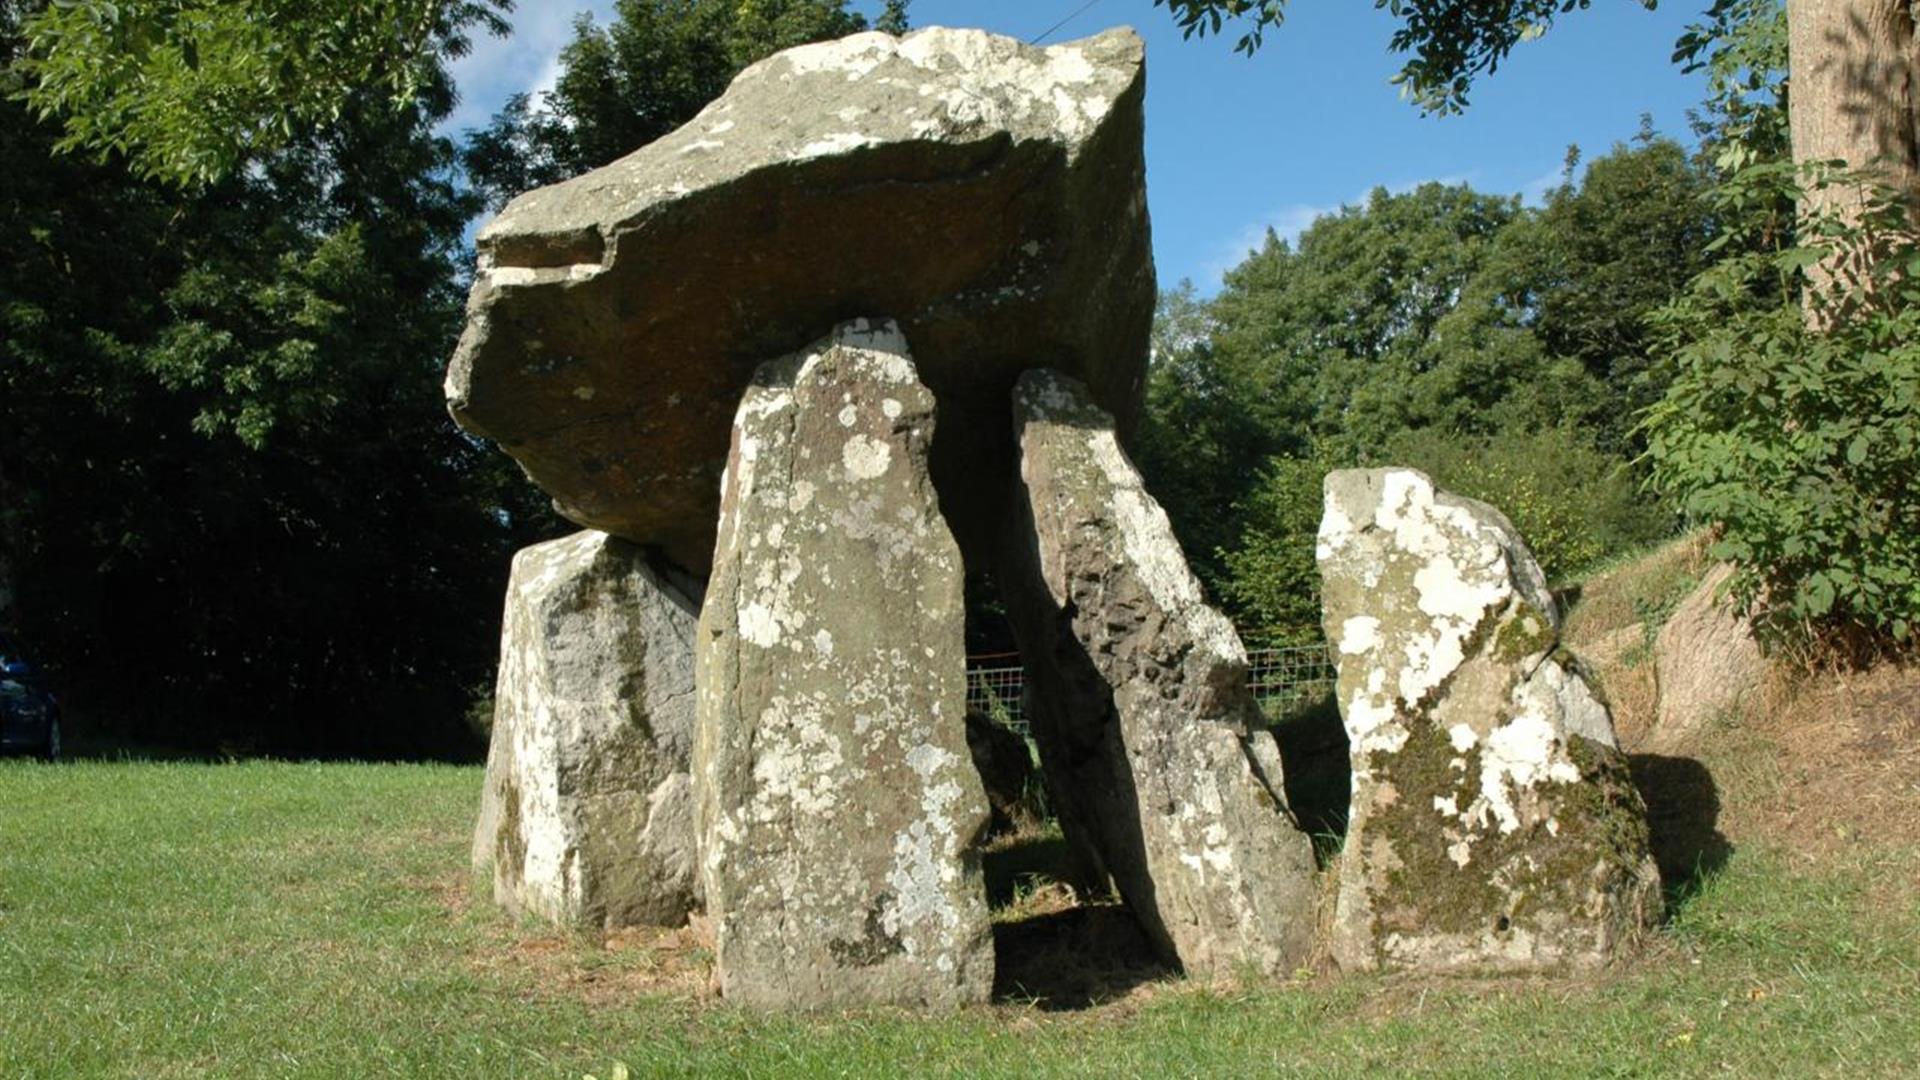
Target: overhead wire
(1072,15)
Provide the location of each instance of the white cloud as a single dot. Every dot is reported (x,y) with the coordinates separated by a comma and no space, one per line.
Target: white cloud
(1287,222)
(1534,191)
(525,62)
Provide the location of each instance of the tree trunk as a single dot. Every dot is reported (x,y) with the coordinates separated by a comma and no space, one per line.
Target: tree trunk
(1855,98)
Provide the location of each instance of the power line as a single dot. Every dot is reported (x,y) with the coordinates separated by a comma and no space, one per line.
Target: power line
(1074,14)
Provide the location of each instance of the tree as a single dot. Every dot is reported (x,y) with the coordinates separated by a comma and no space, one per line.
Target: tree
(649,71)
(1790,422)
(235,507)
(1487,341)
(189,90)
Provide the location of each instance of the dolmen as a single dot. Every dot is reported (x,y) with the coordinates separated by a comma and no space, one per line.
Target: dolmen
(875,318)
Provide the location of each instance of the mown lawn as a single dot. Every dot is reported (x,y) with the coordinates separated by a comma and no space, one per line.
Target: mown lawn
(311,920)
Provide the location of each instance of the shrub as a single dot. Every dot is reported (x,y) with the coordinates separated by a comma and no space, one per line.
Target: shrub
(1793,424)
(1574,505)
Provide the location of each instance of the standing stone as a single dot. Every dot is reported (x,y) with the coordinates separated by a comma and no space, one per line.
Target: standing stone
(1706,661)
(987,194)
(586,819)
(839,813)
(1145,724)
(1493,824)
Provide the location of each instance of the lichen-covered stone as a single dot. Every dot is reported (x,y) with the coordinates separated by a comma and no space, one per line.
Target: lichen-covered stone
(1493,824)
(839,813)
(586,817)
(987,194)
(1147,731)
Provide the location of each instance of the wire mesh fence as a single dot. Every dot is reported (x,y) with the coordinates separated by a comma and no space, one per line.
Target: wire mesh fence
(1291,678)
(1283,680)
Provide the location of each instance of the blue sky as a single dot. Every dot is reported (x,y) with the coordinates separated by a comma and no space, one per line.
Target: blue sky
(1235,146)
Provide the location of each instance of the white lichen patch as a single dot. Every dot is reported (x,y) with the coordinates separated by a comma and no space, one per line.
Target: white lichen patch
(837,143)
(1359,634)
(865,457)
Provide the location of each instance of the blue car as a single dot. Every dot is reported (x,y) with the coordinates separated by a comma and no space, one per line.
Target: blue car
(29,716)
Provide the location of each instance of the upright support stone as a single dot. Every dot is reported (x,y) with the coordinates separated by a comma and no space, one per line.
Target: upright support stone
(1146,728)
(839,811)
(1493,823)
(586,819)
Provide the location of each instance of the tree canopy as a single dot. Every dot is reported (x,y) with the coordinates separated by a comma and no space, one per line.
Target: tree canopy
(1498,345)
(234,513)
(187,91)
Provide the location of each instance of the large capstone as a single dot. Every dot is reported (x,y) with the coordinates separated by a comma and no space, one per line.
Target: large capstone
(1493,824)
(839,812)
(586,819)
(1148,735)
(988,194)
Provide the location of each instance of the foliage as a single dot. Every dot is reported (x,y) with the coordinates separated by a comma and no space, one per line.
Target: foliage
(1271,581)
(235,506)
(190,90)
(1792,421)
(1452,41)
(1583,274)
(1742,47)
(656,65)
(1574,504)
(1498,345)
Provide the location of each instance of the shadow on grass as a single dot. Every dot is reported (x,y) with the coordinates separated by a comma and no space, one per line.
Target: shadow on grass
(1075,958)
(1057,950)
(1683,814)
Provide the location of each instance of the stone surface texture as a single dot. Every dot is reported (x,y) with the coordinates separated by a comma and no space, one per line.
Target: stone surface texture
(1706,662)
(1140,705)
(988,195)
(1493,825)
(838,810)
(586,816)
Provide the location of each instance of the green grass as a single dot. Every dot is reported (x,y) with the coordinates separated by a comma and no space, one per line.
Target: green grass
(165,920)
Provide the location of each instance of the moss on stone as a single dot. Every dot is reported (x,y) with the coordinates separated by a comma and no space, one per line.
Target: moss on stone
(1524,632)
(1428,892)
(1511,880)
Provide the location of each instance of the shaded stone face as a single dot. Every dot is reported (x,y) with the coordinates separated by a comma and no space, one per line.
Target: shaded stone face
(1139,702)
(586,819)
(1005,765)
(989,195)
(1493,824)
(838,810)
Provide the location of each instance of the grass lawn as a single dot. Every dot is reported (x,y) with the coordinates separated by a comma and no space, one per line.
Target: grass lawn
(314,920)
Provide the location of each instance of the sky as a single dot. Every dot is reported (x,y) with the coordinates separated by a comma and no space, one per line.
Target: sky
(1236,146)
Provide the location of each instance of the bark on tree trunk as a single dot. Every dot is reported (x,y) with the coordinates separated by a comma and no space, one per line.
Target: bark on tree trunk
(1855,97)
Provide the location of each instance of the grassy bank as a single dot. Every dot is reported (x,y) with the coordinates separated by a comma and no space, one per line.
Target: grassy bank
(313,920)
